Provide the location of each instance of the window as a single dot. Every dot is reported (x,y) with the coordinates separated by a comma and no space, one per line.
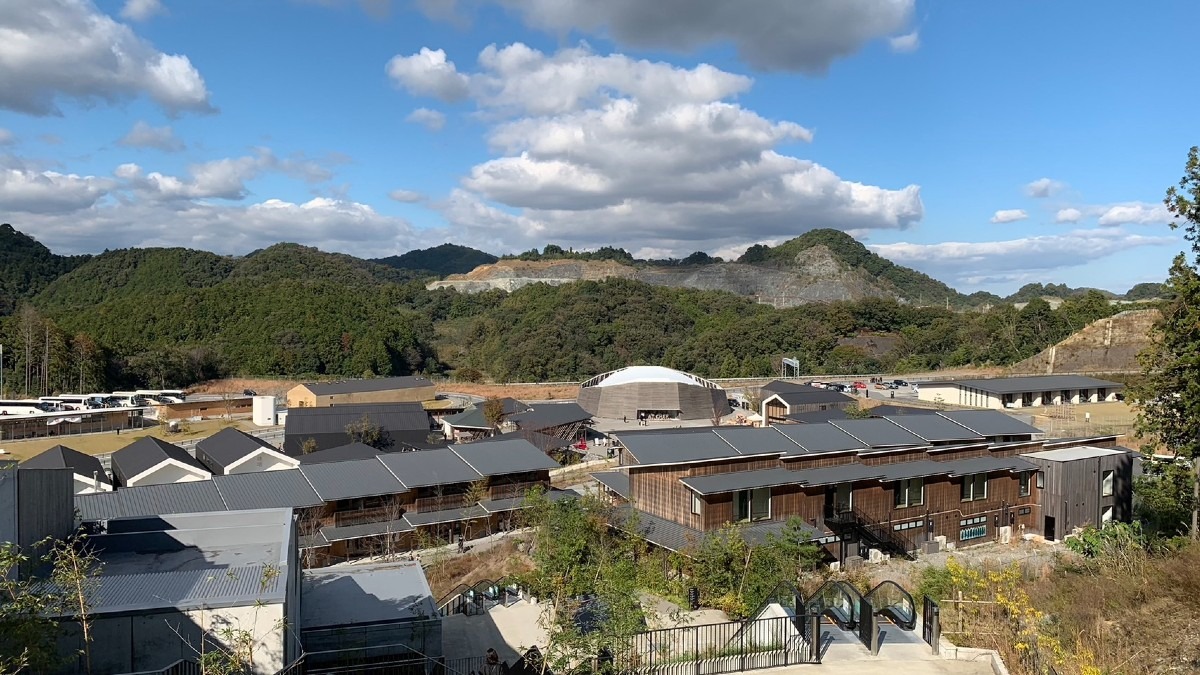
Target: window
(1106,516)
(974,487)
(696,504)
(1023,484)
(752,505)
(1041,480)
(1106,484)
(910,492)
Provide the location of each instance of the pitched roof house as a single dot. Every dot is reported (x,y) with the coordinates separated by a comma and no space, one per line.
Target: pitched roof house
(90,476)
(233,451)
(150,461)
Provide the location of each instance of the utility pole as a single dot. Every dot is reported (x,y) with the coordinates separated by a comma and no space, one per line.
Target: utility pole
(1196,499)
(2,396)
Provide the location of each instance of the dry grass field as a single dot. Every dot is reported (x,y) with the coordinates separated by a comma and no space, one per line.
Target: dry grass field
(103,443)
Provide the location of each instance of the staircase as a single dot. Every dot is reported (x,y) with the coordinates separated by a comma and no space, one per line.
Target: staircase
(846,520)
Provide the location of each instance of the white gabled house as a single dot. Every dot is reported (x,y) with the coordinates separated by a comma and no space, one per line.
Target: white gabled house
(150,461)
(90,476)
(231,451)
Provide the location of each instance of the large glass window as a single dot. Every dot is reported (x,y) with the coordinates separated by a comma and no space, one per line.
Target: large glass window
(751,505)
(1023,485)
(696,504)
(910,492)
(1106,484)
(974,487)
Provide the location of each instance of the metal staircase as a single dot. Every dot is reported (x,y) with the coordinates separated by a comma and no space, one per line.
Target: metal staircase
(846,520)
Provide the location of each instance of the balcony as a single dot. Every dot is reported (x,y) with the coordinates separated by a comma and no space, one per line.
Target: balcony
(362,516)
(440,503)
(512,490)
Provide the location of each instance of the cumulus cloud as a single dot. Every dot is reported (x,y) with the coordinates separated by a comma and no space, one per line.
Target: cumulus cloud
(429,73)
(405,196)
(1009,216)
(69,49)
(1043,188)
(30,191)
(142,135)
(594,148)
(1134,213)
(140,10)
(432,120)
(218,179)
(903,44)
(780,35)
(7,137)
(1068,215)
(973,262)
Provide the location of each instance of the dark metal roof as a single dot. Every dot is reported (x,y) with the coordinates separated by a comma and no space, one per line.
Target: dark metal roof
(878,433)
(757,440)
(934,428)
(617,481)
(990,422)
(494,458)
(376,384)
(816,416)
(194,497)
(963,467)
(550,415)
(267,490)
(424,468)
(676,537)
(667,448)
(810,395)
(365,530)
(1035,383)
(445,516)
(515,503)
(468,419)
(348,480)
(888,410)
(229,445)
(539,440)
(62,457)
(146,453)
(333,419)
(342,453)
(816,438)
(740,480)
(842,473)
(315,540)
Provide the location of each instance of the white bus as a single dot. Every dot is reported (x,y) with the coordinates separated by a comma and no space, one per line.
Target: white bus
(25,407)
(67,401)
(162,395)
(127,399)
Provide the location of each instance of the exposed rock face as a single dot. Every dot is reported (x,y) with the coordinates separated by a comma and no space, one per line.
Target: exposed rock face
(1106,346)
(815,275)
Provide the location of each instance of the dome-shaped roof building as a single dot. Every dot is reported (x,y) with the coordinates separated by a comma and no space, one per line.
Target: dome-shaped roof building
(652,392)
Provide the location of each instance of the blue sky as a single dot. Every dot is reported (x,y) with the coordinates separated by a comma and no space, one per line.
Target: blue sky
(988,144)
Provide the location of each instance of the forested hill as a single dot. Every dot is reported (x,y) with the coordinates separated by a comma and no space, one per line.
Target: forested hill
(440,260)
(27,266)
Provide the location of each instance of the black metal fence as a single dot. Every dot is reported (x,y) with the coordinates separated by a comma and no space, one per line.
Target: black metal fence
(931,624)
(711,649)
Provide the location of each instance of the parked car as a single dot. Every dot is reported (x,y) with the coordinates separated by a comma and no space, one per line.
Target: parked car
(900,383)
(249,392)
(860,385)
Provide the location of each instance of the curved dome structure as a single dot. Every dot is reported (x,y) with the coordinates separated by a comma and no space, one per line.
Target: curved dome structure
(638,392)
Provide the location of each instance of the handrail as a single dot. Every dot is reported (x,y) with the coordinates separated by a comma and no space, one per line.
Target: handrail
(477,594)
(841,514)
(906,618)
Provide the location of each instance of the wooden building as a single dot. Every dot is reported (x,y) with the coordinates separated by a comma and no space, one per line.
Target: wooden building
(407,389)
(652,392)
(1081,486)
(781,399)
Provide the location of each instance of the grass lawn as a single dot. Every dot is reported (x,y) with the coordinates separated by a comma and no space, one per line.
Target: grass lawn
(106,442)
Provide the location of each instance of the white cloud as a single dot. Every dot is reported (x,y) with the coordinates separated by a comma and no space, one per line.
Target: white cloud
(1043,188)
(1134,213)
(55,49)
(432,120)
(904,44)
(31,191)
(976,261)
(1068,215)
(140,10)
(142,135)
(428,73)
(1009,216)
(7,137)
(406,196)
(218,179)
(772,35)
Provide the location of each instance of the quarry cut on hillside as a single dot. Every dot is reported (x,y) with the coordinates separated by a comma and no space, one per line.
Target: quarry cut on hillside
(1105,346)
(815,275)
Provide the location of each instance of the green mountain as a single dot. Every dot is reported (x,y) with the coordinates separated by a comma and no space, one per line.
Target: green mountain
(27,267)
(440,260)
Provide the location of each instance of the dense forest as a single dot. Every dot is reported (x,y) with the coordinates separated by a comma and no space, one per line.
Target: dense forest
(440,261)
(172,317)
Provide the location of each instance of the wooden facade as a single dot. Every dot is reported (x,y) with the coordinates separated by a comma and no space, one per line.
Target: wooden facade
(1084,490)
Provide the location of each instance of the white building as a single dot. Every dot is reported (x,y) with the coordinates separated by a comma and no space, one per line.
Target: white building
(149,461)
(89,475)
(1020,392)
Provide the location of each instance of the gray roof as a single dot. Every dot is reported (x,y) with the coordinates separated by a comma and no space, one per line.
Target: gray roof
(445,516)
(424,468)
(1036,383)
(341,453)
(468,419)
(963,467)
(494,458)
(740,480)
(539,440)
(229,445)
(333,419)
(146,453)
(348,480)
(365,594)
(934,428)
(1072,454)
(811,395)
(514,503)
(757,440)
(617,481)
(817,416)
(550,415)
(990,422)
(668,448)
(192,497)
(62,457)
(365,530)
(817,438)
(676,537)
(889,410)
(878,433)
(376,384)
(266,490)
(315,540)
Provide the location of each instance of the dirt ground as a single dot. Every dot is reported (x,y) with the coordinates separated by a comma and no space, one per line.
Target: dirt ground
(103,443)
(1089,419)
(521,392)
(494,562)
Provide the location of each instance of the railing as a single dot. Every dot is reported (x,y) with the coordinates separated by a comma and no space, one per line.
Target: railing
(897,604)
(511,490)
(180,667)
(732,647)
(842,516)
(362,516)
(480,597)
(440,503)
